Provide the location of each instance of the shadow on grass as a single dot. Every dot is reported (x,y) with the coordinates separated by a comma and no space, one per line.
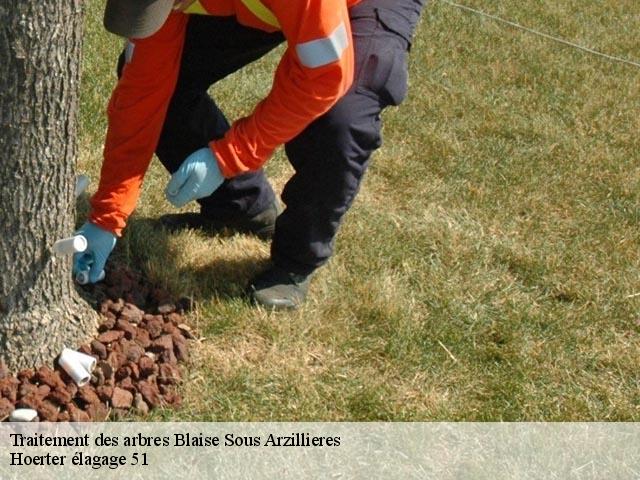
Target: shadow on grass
(152,249)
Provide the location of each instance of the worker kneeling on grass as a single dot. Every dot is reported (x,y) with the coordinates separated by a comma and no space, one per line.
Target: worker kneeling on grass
(345,61)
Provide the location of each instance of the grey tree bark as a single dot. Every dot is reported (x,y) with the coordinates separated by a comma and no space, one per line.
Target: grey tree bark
(40,310)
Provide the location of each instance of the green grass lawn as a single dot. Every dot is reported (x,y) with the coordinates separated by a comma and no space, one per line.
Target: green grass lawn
(489,269)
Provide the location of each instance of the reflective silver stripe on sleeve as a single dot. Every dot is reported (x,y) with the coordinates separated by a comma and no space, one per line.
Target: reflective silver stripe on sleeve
(323,51)
(128,51)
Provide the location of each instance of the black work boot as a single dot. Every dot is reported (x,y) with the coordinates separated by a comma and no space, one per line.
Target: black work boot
(262,225)
(278,289)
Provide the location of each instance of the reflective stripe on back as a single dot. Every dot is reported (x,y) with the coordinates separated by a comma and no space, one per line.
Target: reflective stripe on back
(256,7)
(261,12)
(195,7)
(323,51)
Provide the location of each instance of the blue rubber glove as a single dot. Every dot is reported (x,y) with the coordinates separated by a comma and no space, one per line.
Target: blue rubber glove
(100,243)
(198,177)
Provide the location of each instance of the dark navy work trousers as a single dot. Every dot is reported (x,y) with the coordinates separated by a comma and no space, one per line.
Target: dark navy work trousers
(329,157)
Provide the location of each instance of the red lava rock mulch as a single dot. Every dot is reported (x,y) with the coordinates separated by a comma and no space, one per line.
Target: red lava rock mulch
(141,339)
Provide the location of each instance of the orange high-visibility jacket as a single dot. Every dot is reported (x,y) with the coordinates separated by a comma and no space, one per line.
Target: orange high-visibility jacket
(314,72)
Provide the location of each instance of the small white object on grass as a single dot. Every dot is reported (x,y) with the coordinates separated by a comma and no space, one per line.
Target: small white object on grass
(71,245)
(74,368)
(23,415)
(82,182)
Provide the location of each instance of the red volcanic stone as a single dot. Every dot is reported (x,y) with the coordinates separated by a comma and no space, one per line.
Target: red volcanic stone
(154,327)
(106,369)
(44,390)
(181,350)
(169,374)
(110,336)
(133,352)
(32,401)
(135,370)
(115,306)
(108,322)
(99,349)
(186,332)
(178,336)
(25,375)
(64,416)
(132,314)
(104,306)
(60,397)
(72,388)
(117,346)
(6,407)
(48,411)
(147,366)
(86,349)
(98,412)
(143,338)
(150,393)
(26,389)
(9,388)
(122,373)
(121,398)
(97,377)
(105,393)
(169,328)
(49,377)
(127,384)
(168,357)
(129,330)
(76,414)
(88,394)
(116,360)
(161,344)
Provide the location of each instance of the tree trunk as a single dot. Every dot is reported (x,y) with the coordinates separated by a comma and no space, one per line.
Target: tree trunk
(40,310)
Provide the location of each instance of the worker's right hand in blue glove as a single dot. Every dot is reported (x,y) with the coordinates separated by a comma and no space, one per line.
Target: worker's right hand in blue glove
(198,177)
(100,243)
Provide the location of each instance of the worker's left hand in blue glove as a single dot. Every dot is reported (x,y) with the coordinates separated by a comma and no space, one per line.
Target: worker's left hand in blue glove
(198,177)
(100,243)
